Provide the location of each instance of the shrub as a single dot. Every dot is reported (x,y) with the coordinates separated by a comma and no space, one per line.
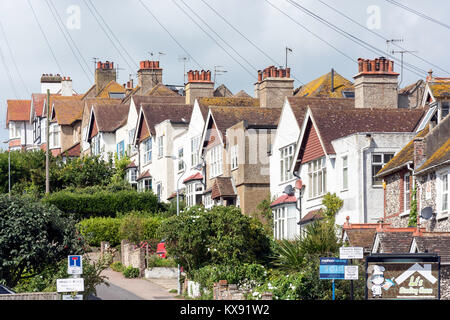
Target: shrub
(102,203)
(130,272)
(155,261)
(98,229)
(117,266)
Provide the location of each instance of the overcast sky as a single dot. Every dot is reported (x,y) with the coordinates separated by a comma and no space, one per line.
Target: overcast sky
(25,54)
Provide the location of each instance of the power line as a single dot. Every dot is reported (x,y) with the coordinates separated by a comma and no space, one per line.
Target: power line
(212,38)
(112,33)
(107,35)
(246,38)
(309,31)
(170,34)
(14,60)
(67,40)
(366,45)
(420,14)
(46,39)
(379,35)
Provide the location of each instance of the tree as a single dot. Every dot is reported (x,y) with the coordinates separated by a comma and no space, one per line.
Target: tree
(33,237)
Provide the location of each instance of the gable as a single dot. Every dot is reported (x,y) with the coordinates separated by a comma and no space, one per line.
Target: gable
(143,132)
(212,137)
(311,148)
(94,129)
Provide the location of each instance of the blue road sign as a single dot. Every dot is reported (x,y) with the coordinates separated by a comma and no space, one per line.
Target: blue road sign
(75,264)
(332,268)
(75,261)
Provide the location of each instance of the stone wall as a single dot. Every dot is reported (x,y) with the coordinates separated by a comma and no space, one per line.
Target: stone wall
(31,296)
(445,282)
(224,291)
(132,256)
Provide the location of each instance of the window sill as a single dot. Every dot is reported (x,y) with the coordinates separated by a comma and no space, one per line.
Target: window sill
(316,197)
(404,214)
(233,169)
(442,215)
(344,190)
(377,186)
(287,181)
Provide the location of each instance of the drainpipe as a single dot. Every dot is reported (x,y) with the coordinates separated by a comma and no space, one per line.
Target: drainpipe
(408,166)
(363,175)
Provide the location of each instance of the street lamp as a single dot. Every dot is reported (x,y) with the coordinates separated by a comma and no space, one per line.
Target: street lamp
(9,169)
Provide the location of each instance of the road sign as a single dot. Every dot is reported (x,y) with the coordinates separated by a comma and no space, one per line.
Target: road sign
(75,264)
(71,297)
(351,272)
(70,285)
(351,253)
(332,268)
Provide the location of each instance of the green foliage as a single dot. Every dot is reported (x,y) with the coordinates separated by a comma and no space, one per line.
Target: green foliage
(265,214)
(33,237)
(117,266)
(222,235)
(120,166)
(412,222)
(332,205)
(98,229)
(135,228)
(289,254)
(102,203)
(131,272)
(155,261)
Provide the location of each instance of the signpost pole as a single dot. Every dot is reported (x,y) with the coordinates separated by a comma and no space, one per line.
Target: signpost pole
(351,283)
(333,289)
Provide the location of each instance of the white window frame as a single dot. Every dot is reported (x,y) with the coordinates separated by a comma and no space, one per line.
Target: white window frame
(317,175)
(442,185)
(208,202)
(216,161)
(148,146)
(286,157)
(145,184)
(234,156)
(131,148)
(344,173)
(54,136)
(194,151)
(180,161)
(14,130)
(379,182)
(406,193)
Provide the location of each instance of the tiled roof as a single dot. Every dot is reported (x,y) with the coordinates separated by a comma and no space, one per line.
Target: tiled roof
(341,123)
(131,165)
(402,157)
(299,105)
(321,87)
(145,174)
(228,101)
(361,237)
(242,94)
(395,242)
(38,102)
(196,176)
(72,151)
(110,117)
(157,113)
(225,117)
(222,187)
(222,91)
(90,93)
(435,243)
(441,156)
(112,86)
(311,216)
(18,110)
(68,111)
(440,87)
(410,88)
(138,100)
(161,90)
(285,198)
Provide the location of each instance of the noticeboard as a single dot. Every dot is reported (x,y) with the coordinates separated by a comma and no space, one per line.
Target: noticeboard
(332,268)
(403,276)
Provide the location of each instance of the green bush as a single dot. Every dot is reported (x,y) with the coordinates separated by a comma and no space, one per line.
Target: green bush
(131,272)
(117,266)
(98,229)
(102,203)
(155,261)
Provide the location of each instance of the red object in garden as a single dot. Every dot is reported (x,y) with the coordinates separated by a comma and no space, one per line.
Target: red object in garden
(161,250)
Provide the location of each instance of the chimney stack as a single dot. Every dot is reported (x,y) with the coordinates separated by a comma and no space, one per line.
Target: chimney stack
(104,73)
(273,86)
(66,87)
(376,84)
(149,75)
(419,152)
(51,82)
(199,85)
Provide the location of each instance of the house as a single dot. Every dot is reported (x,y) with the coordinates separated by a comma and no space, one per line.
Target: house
(437,97)
(282,152)
(411,96)
(331,85)
(234,145)
(157,125)
(18,124)
(65,123)
(105,85)
(104,121)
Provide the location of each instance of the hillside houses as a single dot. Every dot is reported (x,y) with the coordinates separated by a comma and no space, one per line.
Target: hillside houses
(289,145)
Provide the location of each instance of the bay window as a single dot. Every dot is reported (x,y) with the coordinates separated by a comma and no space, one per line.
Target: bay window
(148,150)
(317,174)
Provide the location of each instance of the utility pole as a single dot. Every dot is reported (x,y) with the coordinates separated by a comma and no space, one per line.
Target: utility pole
(184,59)
(218,72)
(388,43)
(47,159)
(401,52)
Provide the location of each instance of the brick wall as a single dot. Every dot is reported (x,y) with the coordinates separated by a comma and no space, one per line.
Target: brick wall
(31,296)
(132,256)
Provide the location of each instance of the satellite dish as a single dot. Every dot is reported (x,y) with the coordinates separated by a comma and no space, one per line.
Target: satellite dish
(426,213)
(289,190)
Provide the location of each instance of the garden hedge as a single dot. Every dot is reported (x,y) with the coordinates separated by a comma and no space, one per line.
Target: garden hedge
(102,203)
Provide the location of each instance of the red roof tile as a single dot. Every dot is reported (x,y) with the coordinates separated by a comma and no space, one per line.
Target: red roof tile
(196,176)
(145,174)
(311,216)
(18,110)
(285,198)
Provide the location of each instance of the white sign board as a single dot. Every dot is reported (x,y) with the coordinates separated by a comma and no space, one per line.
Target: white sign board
(351,273)
(351,253)
(75,264)
(70,285)
(71,297)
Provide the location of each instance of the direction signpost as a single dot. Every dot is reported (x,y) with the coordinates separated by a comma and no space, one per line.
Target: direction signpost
(351,271)
(74,284)
(332,268)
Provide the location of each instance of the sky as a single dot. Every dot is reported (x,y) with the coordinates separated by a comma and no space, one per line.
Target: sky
(236,36)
